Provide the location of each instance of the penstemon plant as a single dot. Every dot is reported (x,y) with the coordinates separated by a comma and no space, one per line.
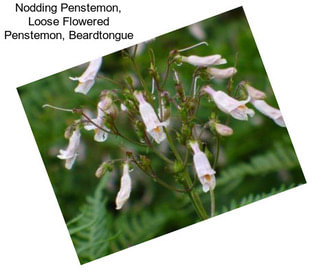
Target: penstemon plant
(166,117)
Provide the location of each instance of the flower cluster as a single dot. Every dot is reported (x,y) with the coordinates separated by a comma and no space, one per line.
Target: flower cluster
(163,115)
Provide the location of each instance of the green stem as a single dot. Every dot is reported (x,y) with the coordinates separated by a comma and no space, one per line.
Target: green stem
(195,198)
(197,203)
(125,137)
(217,154)
(162,156)
(119,84)
(157,180)
(212,199)
(169,63)
(151,145)
(135,66)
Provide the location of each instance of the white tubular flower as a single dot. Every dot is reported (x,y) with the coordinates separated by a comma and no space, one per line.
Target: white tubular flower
(125,188)
(221,73)
(269,111)
(87,79)
(102,108)
(153,126)
(237,109)
(203,168)
(204,61)
(99,134)
(71,151)
(254,93)
(223,130)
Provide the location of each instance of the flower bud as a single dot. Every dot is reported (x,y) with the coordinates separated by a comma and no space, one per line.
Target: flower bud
(204,61)
(140,130)
(221,129)
(177,167)
(125,188)
(254,93)
(221,73)
(101,170)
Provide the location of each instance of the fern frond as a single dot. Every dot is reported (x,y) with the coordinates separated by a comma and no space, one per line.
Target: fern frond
(252,198)
(280,158)
(138,227)
(89,230)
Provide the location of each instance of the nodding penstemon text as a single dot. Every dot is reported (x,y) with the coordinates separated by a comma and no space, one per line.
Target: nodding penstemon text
(40,16)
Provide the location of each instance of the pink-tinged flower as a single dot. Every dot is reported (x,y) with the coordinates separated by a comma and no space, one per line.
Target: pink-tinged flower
(237,109)
(254,93)
(153,125)
(203,168)
(204,61)
(103,108)
(71,151)
(222,129)
(87,79)
(221,73)
(269,111)
(125,188)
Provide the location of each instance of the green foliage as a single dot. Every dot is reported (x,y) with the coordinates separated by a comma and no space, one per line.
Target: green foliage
(135,228)
(252,198)
(89,230)
(281,157)
(247,182)
(96,233)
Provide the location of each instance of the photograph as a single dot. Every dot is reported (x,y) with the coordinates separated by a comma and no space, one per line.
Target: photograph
(169,132)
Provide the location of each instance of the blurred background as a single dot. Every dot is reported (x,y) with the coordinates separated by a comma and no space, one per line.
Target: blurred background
(258,160)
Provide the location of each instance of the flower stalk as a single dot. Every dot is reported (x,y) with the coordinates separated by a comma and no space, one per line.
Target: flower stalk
(194,197)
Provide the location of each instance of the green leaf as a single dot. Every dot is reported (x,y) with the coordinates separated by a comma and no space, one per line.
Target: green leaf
(279,158)
(89,230)
(138,227)
(252,198)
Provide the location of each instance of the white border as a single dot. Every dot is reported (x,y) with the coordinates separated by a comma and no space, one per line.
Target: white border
(283,232)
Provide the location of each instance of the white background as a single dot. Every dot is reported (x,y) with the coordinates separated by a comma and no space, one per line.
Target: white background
(283,232)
